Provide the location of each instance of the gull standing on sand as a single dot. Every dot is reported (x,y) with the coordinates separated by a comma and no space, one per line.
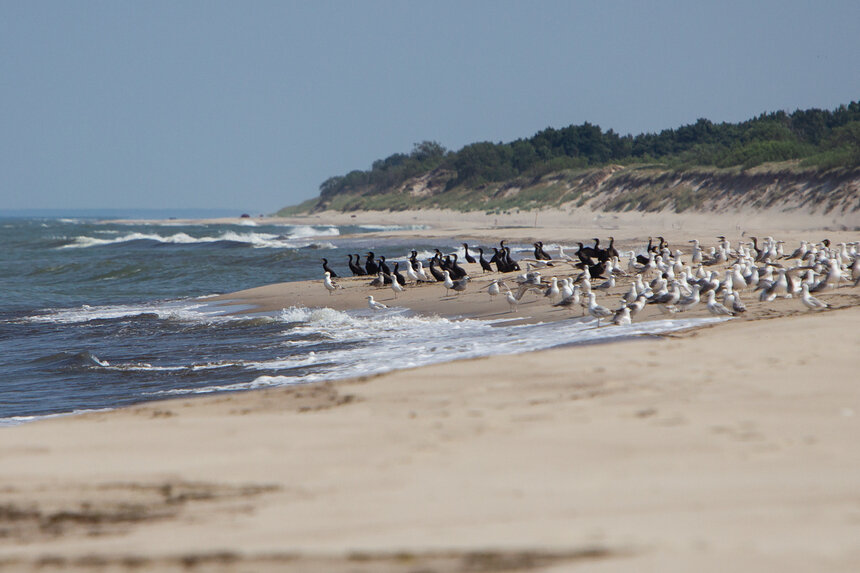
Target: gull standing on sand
(716,308)
(689,302)
(459,285)
(631,294)
(396,287)
(607,284)
(571,300)
(513,301)
(637,305)
(566,287)
(596,310)
(493,288)
(411,274)
(696,257)
(622,316)
(810,301)
(379,281)
(448,283)
(421,274)
(375,305)
(552,291)
(737,304)
(329,285)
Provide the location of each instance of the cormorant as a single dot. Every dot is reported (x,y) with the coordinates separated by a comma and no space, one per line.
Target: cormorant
(469,258)
(328,270)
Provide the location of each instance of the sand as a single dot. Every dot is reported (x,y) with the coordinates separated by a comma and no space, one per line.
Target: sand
(732,447)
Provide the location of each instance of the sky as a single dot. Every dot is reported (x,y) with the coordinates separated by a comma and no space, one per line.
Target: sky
(251,105)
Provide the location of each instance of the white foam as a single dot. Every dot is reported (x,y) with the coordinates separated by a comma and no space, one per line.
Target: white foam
(18,420)
(144,367)
(259,240)
(188,310)
(306,231)
(360,343)
(372,343)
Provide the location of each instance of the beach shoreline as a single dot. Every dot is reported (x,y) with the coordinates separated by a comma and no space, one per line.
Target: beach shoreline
(571,222)
(724,447)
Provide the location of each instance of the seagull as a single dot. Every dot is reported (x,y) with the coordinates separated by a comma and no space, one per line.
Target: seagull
(566,287)
(631,295)
(421,274)
(460,284)
(810,301)
(622,316)
(493,289)
(562,255)
(379,281)
(531,278)
(596,310)
(800,252)
(608,284)
(716,308)
(834,274)
(449,284)
(637,305)
(329,285)
(696,257)
(572,300)
(528,281)
(667,297)
(737,304)
(689,302)
(375,305)
(411,274)
(552,292)
(855,269)
(396,287)
(512,300)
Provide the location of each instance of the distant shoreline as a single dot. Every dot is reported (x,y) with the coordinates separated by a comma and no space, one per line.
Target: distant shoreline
(573,223)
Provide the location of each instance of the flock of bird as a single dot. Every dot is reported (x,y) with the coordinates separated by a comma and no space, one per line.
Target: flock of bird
(658,275)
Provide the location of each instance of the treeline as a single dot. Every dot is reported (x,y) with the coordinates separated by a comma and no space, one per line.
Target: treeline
(821,138)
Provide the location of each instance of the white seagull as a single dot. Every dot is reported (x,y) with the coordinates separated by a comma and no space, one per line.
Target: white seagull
(596,310)
(716,308)
(552,292)
(512,300)
(622,316)
(810,301)
(449,284)
(396,286)
(375,305)
(493,289)
(410,273)
(329,285)
(422,275)
(689,302)
(571,300)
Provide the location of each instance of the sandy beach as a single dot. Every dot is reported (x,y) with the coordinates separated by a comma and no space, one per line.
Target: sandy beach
(729,447)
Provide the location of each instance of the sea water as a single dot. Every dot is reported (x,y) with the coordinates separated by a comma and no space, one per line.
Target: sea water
(97,314)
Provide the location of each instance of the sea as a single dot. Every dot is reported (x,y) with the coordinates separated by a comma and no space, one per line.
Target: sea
(97,314)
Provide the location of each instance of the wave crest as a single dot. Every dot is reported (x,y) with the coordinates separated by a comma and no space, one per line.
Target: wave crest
(254,239)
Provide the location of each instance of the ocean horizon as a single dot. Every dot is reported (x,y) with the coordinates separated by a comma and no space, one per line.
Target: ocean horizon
(123,213)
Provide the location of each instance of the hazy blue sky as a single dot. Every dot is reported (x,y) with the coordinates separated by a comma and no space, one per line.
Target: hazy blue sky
(251,105)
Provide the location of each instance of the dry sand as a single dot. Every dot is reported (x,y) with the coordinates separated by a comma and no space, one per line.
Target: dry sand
(728,448)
